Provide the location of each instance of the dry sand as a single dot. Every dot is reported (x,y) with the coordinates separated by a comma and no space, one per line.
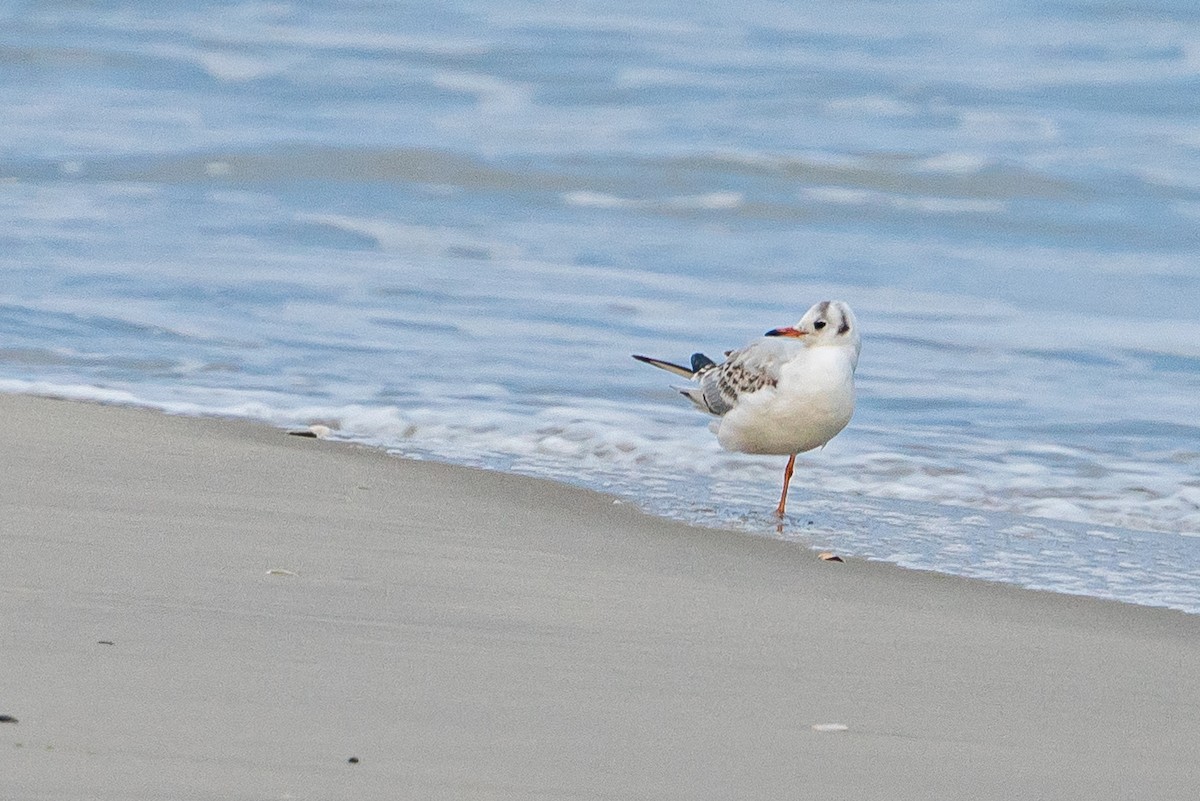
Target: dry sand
(475,635)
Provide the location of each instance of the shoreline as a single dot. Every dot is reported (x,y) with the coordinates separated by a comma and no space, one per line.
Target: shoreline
(467,633)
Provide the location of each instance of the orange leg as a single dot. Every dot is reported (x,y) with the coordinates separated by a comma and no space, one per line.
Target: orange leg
(787,479)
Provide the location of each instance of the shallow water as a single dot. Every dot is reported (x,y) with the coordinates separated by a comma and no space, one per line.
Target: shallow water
(445,230)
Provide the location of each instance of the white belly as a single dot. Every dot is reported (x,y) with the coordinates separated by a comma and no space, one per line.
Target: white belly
(812,402)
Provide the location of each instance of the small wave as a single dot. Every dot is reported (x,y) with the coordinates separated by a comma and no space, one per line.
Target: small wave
(711,201)
(956,163)
(646,77)
(493,94)
(327,38)
(950,175)
(876,105)
(395,236)
(292,163)
(226,65)
(999,126)
(847,196)
(598,200)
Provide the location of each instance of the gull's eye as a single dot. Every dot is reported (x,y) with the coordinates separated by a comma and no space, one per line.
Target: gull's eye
(819,324)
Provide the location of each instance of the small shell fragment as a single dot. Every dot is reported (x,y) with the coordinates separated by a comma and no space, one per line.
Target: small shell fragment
(279,571)
(830,557)
(830,727)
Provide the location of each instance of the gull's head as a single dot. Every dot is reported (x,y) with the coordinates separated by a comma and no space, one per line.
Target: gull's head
(829,322)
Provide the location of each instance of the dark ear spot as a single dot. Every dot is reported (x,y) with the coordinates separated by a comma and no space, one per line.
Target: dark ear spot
(844,327)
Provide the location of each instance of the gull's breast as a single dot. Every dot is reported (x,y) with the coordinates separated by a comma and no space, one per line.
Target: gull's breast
(811,403)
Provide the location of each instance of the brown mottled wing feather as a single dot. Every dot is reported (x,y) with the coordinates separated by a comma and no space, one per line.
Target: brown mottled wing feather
(724,383)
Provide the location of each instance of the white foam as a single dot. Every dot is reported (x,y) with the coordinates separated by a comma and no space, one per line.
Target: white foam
(76,392)
(599,436)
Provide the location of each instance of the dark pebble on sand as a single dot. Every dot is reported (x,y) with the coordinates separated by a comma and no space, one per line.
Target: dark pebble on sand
(353,760)
(7,719)
(105,642)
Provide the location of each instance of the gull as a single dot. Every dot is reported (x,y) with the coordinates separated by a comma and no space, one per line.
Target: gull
(785,393)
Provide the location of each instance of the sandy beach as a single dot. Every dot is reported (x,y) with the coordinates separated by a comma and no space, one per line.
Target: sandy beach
(204,609)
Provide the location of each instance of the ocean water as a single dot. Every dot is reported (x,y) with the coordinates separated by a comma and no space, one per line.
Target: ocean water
(442,229)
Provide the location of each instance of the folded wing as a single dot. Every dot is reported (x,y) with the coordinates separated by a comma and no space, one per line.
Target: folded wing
(719,386)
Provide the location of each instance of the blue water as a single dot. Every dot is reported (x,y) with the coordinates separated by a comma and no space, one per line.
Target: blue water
(444,229)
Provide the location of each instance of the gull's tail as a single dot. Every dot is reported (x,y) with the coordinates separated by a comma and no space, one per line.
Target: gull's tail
(700,363)
(677,369)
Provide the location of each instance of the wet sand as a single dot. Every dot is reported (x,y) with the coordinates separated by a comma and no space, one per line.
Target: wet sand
(467,634)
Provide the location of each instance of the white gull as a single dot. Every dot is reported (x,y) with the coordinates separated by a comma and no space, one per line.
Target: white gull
(786,393)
